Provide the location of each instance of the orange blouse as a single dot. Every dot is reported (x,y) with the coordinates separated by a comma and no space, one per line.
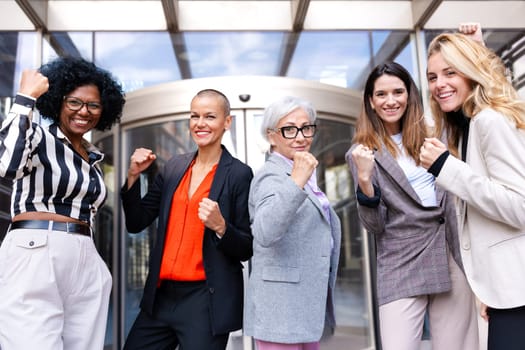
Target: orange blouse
(182,257)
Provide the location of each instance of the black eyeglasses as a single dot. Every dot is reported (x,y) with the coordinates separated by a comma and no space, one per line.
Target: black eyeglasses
(291,132)
(76,104)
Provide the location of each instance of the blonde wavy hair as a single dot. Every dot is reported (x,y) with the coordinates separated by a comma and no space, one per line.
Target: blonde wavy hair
(491,87)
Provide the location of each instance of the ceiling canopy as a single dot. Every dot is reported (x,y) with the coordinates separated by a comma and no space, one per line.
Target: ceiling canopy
(237,15)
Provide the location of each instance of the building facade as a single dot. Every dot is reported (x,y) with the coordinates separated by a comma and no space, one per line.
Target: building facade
(164,51)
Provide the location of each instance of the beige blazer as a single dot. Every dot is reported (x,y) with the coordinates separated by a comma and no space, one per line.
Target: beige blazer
(490,187)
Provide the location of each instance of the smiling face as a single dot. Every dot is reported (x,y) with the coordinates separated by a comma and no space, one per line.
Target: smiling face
(389,100)
(74,124)
(208,121)
(448,88)
(287,147)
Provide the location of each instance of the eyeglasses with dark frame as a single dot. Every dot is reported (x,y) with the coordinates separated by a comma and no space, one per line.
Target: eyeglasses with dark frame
(291,131)
(76,104)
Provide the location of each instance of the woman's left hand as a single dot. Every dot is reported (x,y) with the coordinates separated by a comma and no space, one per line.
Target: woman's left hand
(430,151)
(210,215)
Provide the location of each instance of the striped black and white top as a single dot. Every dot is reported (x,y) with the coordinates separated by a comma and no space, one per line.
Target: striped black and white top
(47,174)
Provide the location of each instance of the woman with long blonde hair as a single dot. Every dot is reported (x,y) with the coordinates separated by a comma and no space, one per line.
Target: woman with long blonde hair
(473,100)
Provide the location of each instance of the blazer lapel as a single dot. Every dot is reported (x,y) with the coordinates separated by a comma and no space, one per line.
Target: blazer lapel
(220,174)
(286,168)
(173,173)
(385,160)
(177,172)
(313,198)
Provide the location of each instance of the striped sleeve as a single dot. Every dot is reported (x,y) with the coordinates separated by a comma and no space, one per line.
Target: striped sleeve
(18,139)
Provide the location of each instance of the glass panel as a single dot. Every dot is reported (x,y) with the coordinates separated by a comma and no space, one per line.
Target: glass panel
(104,230)
(165,139)
(344,58)
(233,53)
(17,52)
(378,40)
(138,59)
(335,58)
(351,294)
(75,44)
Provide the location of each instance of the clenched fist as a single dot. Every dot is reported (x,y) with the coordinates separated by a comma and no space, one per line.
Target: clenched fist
(304,164)
(140,160)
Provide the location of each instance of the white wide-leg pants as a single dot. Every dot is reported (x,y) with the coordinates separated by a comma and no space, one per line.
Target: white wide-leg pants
(54,292)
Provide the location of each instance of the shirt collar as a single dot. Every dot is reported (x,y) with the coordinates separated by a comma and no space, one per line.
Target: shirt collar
(95,155)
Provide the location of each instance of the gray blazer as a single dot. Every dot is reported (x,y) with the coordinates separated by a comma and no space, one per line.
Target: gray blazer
(411,239)
(294,265)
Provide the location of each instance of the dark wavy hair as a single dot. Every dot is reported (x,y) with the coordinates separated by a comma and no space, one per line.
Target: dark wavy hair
(65,74)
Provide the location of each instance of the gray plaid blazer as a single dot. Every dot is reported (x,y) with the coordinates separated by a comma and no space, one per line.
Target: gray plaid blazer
(411,240)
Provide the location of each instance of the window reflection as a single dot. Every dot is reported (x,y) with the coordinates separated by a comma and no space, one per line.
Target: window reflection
(17,52)
(138,59)
(335,58)
(351,294)
(104,230)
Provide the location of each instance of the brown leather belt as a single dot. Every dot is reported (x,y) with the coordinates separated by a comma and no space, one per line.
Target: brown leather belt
(69,227)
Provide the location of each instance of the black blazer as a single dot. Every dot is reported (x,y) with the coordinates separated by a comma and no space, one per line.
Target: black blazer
(222,257)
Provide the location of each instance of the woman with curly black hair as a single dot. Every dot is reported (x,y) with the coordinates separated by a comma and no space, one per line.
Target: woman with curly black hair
(54,286)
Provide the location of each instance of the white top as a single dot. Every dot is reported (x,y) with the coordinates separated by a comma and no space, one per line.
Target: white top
(421,180)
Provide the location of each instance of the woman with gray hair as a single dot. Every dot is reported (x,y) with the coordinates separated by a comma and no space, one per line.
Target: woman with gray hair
(297,236)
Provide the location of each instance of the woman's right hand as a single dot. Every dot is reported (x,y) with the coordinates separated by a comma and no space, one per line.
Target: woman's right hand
(140,160)
(473,31)
(363,158)
(304,164)
(33,83)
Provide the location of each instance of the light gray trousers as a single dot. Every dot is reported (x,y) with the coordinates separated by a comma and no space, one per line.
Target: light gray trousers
(453,318)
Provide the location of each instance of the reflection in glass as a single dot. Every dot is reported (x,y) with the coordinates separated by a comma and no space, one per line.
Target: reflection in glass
(332,141)
(344,58)
(17,52)
(233,53)
(334,58)
(138,59)
(103,231)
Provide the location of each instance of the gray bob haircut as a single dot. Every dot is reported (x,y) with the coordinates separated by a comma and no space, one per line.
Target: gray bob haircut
(281,108)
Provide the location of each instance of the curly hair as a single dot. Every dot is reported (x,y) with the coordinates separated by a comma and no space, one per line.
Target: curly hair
(65,74)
